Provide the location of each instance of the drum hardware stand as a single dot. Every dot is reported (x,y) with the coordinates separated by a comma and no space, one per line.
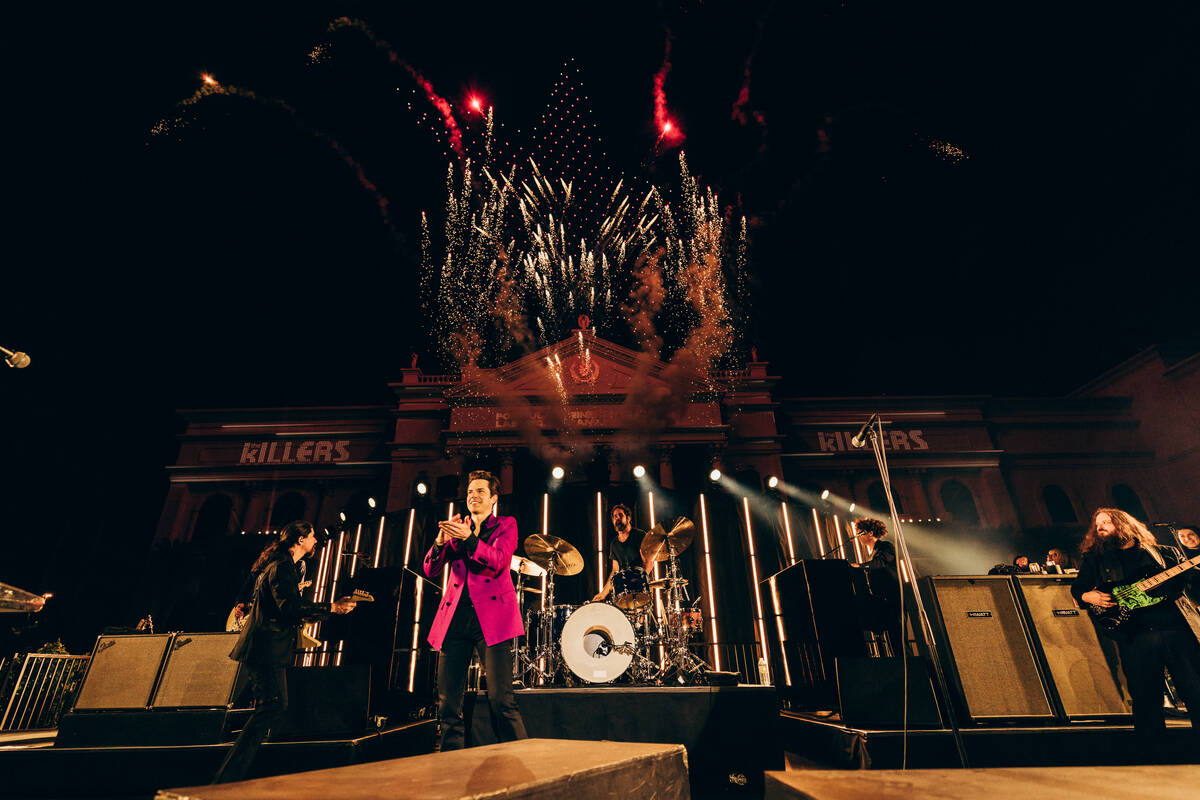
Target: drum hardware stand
(679,658)
(546,647)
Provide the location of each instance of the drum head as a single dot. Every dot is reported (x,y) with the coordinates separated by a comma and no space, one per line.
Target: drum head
(589,640)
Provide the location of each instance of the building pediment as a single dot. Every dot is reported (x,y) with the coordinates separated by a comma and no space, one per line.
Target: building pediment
(583,364)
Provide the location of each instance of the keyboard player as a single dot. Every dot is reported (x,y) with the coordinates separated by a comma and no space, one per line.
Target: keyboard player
(883,577)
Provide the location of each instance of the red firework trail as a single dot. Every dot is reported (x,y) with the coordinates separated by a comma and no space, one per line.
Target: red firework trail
(439,102)
(668,131)
(739,111)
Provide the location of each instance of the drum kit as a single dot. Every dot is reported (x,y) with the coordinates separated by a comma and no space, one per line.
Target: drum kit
(602,642)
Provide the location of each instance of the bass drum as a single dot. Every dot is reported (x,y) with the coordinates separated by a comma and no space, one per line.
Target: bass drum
(590,639)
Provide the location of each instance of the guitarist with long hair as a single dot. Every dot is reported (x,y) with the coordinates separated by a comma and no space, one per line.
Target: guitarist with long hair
(1129,581)
(267,643)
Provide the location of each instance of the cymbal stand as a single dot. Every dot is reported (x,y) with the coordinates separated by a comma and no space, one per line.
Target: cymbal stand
(679,657)
(543,661)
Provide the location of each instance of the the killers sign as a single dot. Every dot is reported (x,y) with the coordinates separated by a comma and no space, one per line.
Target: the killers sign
(310,451)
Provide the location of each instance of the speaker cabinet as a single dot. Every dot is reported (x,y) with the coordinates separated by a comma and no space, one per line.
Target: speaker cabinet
(199,672)
(1087,680)
(871,693)
(122,672)
(991,659)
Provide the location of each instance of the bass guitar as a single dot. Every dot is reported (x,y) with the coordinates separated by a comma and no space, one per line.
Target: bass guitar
(235,622)
(1132,597)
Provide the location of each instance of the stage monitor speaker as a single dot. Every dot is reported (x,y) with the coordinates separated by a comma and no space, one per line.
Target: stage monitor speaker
(122,672)
(1086,677)
(870,693)
(199,672)
(989,651)
(326,703)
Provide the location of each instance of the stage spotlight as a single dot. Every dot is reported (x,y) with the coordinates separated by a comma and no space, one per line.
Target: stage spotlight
(342,516)
(371,502)
(422,488)
(772,482)
(558,473)
(825,495)
(852,508)
(639,471)
(715,475)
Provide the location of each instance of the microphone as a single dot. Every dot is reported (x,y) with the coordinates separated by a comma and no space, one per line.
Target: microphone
(841,546)
(860,438)
(18,359)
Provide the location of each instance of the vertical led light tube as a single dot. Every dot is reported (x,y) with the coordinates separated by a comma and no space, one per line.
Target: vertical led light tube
(787,673)
(841,545)
(787,528)
(600,541)
(817,533)
(412,659)
(662,653)
(379,542)
(357,542)
(545,532)
(446,566)
(712,604)
(412,520)
(858,553)
(762,629)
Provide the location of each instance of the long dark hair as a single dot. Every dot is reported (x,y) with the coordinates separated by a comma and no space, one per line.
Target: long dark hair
(291,534)
(1128,532)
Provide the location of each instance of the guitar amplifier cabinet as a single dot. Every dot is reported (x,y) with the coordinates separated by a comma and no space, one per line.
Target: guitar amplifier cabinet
(123,672)
(199,672)
(992,663)
(1082,667)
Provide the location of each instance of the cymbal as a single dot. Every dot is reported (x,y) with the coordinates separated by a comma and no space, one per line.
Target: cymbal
(544,549)
(663,583)
(659,541)
(527,567)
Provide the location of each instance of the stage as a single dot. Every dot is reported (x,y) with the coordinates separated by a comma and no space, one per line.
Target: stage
(1069,783)
(33,768)
(827,742)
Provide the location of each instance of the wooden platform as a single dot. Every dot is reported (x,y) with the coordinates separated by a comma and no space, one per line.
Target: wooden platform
(1169,782)
(530,769)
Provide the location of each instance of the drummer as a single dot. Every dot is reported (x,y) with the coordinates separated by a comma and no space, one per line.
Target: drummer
(625,551)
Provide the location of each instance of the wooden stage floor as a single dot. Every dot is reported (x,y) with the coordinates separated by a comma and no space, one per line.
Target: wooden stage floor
(1167,782)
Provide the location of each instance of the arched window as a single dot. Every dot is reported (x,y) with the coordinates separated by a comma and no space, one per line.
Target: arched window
(288,508)
(959,503)
(213,520)
(1058,505)
(877,500)
(1126,499)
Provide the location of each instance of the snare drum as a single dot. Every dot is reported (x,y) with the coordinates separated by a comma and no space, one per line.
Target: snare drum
(590,641)
(692,623)
(631,589)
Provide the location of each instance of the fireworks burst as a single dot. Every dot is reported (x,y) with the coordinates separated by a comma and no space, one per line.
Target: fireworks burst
(320,53)
(669,134)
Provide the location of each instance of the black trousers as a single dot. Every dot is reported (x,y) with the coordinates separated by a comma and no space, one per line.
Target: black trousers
(269,684)
(463,638)
(1143,658)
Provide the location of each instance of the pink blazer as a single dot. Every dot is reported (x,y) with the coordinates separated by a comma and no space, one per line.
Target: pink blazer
(486,575)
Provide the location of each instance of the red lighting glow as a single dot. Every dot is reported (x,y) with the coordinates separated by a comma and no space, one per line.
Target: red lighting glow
(475,103)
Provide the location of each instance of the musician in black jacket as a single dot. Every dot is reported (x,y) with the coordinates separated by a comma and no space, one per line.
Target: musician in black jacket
(883,577)
(1117,551)
(266,644)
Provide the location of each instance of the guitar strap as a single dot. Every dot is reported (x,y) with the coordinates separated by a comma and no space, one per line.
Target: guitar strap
(1185,607)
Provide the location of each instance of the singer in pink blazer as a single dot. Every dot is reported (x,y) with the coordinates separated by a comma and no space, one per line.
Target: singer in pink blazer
(478,612)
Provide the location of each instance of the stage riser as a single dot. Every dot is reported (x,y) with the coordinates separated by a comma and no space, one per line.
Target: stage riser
(531,769)
(726,730)
(128,772)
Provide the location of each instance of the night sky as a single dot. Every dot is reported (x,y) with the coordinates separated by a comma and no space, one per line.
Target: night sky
(944,198)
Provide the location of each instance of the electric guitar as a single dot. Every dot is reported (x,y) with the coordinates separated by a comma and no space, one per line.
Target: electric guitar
(234,623)
(1132,597)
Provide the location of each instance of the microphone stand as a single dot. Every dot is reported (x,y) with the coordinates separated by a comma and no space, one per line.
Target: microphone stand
(840,546)
(875,433)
